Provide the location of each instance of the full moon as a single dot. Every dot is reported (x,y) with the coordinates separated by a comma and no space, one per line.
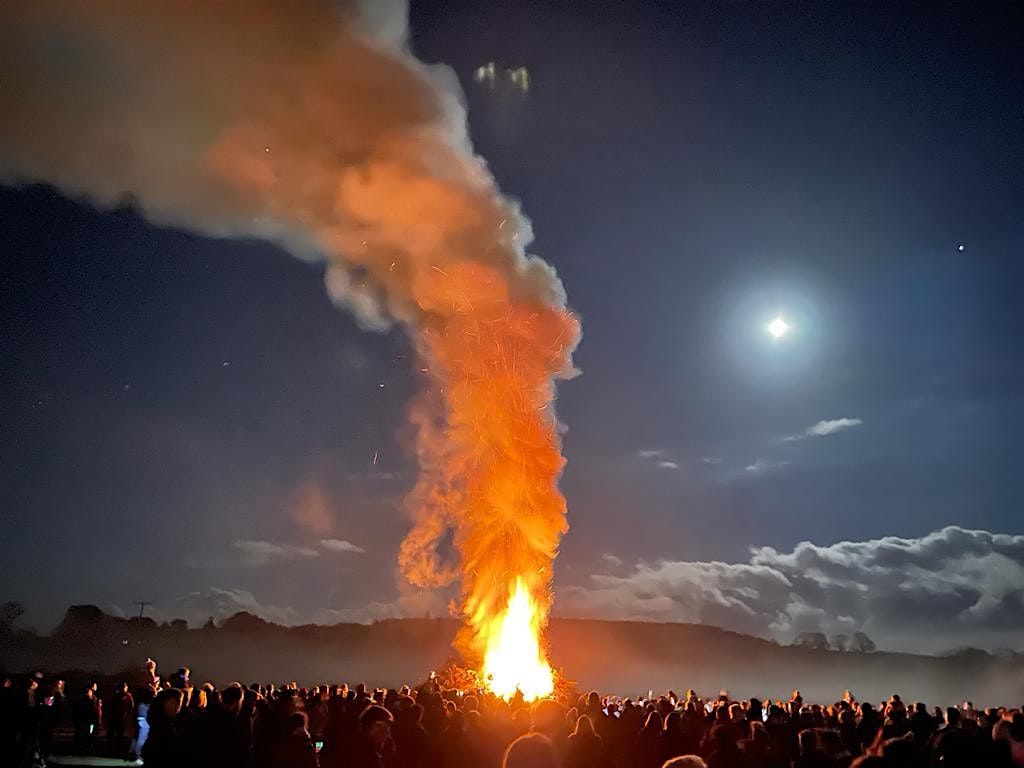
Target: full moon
(778,328)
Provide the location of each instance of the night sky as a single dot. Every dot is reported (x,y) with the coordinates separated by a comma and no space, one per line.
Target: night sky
(186,420)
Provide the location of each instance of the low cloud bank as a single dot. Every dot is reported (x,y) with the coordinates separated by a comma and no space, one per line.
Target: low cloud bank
(949,589)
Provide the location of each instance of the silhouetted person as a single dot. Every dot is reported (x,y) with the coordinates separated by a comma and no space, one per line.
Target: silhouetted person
(548,718)
(144,676)
(410,737)
(533,750)
(51,715)
(757,749)
(295,748)
(952,746)
(458,748)
(673,741)
(870,724)
(830,744)
(21,722)
(226,732)
(585,748)
(164,748)
(593,708)
(143,700)
(685,761)
(921,723)
(120,710)
(368,746)
(647,744)
(722,751)
(810,756)
(181,679)
(87,716)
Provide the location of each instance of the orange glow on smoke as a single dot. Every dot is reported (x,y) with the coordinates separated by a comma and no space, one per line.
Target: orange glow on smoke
(490,458)
(514,660)
(415,230)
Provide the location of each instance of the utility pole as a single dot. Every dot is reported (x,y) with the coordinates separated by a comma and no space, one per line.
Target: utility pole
(142,605)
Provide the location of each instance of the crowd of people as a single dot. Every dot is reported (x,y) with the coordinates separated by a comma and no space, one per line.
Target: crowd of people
(172,722)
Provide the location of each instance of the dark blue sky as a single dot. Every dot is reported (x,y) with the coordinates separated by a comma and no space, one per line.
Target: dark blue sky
(690,171)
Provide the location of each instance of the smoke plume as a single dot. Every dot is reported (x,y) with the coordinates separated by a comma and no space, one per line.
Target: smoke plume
(312,124)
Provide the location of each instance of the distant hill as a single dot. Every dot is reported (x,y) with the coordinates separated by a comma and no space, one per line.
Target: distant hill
(612,656)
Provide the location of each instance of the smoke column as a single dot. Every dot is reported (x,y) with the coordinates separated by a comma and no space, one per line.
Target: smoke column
(312,124)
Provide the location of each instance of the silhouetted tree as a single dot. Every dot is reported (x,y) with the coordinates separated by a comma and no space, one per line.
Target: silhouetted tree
(965,652)
(862,643)
(243,621)
(10,612)
(815,640)
(82,618)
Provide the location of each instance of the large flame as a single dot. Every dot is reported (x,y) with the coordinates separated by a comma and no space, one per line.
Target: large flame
(514,660)
(490,458)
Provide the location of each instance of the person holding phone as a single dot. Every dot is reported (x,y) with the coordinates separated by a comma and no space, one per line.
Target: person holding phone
(297,749)
(87,716)
(120,710)
(367,750)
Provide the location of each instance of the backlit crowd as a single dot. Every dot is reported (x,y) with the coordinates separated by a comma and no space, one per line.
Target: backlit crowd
(175,721)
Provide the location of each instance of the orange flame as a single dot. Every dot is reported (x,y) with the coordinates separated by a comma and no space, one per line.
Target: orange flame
(489,462)
(514,660)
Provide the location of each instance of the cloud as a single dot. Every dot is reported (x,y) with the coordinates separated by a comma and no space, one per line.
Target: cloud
(340,545)
(611,560)
(412,605)
(825,427)
(257,552)
(659,457)
(950,588)
(761,466)
(217,603)
(711,460)
(649,453)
